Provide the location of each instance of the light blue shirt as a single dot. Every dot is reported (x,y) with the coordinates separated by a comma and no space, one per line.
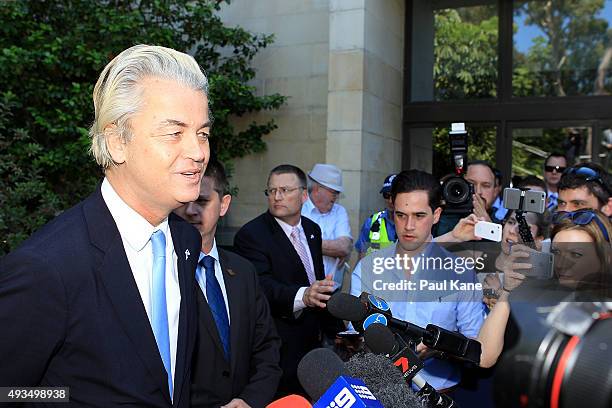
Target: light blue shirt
(201,276)
(461,311)
(334,224)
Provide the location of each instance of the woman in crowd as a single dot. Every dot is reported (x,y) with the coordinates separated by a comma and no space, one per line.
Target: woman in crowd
(581,244)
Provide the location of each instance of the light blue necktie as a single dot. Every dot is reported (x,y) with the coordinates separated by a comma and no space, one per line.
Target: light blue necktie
(159,311)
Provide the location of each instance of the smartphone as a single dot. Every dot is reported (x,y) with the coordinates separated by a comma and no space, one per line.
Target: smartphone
(488,230)
(349,334)
(534,201)
(542,265)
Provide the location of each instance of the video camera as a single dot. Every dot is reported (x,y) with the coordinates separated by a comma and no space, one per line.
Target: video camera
(456,191)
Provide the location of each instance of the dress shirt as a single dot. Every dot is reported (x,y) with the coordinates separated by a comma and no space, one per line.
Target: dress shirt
(463,312)
(298,302)
(136,234)
(201,275)
(334,224)
(552,200)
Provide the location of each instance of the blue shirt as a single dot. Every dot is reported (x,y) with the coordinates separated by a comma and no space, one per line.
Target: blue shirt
(363,241)
(498,209)
(455,310)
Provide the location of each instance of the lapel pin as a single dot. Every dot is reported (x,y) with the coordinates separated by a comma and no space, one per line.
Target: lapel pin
(231,272)
(311,236)
(187,253)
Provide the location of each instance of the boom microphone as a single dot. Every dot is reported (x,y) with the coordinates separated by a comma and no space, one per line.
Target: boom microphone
(382,341)
(324,377)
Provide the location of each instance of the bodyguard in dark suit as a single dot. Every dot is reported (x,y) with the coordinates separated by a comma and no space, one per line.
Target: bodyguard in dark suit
(102,299)
(286,251)
(237,349)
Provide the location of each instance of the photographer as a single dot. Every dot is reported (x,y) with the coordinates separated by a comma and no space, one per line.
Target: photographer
(481,176)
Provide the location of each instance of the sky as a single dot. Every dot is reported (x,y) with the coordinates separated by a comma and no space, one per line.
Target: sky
(524,36)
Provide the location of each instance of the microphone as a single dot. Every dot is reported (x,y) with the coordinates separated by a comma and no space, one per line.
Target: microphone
(290,401)
(383,379)
(369,309)
(325,379)
(380,339)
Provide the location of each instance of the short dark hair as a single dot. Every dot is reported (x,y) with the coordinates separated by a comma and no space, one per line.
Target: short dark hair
(481,163)
(216,171)
(570,181)
(499,177)
(417,180)
(532,180)
(556,154)
(289,169)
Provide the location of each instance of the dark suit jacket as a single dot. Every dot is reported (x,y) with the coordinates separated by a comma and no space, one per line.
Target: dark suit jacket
(71,314)
(253,372)
(281,274)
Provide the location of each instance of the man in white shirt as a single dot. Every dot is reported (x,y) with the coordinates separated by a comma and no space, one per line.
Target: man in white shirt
(332,218)
(101,299)
(285,248)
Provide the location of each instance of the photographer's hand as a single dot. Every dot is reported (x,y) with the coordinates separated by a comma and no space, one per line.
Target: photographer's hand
(480,208)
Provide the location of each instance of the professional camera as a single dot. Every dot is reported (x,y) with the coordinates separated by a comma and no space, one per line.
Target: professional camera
(456,191)
(561,358)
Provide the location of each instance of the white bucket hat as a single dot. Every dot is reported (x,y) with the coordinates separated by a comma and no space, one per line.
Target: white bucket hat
(327,175)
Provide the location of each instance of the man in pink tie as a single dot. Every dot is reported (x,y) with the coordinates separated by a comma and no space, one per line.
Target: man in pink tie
(286,251)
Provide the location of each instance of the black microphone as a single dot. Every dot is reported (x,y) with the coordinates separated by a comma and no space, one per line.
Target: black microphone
(402,355)
(325,378)
(380,339)
(385,382)
(369,309)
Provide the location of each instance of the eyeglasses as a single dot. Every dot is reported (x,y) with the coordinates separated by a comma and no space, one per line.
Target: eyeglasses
(580,217)
(558,169)
(589,175)
(282,190)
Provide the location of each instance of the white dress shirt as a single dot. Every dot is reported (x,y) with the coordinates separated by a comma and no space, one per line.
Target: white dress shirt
(298,302)
(136,234)
(334,224)
(201,276)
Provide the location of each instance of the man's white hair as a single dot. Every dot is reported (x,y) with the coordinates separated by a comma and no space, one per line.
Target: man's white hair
(117,95)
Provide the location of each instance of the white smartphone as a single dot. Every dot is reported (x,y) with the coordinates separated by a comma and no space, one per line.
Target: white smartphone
(488,230)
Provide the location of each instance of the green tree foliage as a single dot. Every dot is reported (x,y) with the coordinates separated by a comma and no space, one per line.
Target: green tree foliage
(571,57)
(51,53)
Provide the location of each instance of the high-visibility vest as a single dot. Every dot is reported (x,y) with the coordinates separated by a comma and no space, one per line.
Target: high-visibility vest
(379,237)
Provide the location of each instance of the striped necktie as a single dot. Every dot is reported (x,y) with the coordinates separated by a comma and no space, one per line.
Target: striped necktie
(301,250)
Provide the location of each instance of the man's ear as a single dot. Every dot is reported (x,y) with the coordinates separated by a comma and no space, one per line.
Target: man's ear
(117,147)
(304,195)
(225,203)
(607,209)
(436,215)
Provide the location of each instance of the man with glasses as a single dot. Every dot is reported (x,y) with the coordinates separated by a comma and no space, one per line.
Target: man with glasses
(554,166)
(585,185)
(321,207)
(378,230)
(285,248)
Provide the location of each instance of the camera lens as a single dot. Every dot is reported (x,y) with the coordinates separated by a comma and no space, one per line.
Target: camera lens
(456,191)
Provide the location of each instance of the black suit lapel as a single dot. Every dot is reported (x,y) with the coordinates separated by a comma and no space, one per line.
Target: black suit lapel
(187,252)
(234,301)
(116,275)
(280,238)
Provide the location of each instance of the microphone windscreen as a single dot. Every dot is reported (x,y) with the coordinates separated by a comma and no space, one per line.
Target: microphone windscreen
(346,307)
(290,401)
(383,379)
(318,370)
(379,339)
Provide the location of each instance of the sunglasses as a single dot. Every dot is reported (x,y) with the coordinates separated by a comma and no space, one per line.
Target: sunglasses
(589,175)
(386,196)
(558,169)
(580,217)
